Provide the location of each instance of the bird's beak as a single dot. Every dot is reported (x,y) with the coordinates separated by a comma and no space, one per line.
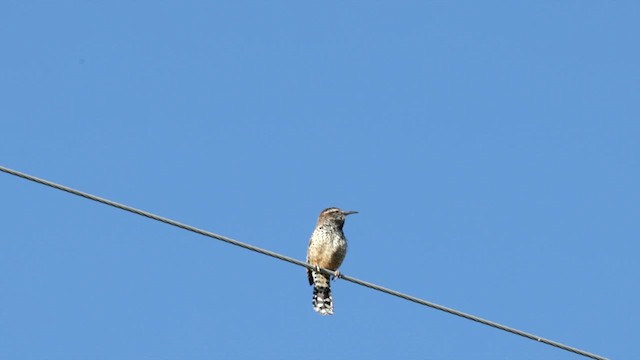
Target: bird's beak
(349,212)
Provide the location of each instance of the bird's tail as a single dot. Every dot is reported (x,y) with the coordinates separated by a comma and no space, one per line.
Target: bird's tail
(322,299)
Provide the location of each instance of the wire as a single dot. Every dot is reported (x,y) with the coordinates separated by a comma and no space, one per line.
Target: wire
(301,263)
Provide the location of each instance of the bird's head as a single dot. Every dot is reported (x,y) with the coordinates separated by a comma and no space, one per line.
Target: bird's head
(333,215)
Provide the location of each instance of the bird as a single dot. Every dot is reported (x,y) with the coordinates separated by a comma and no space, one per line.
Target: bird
(327,249)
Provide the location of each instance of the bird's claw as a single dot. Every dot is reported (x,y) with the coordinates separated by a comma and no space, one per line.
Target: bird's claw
(336,275)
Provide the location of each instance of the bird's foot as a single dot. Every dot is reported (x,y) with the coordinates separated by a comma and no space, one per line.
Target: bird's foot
(336,275)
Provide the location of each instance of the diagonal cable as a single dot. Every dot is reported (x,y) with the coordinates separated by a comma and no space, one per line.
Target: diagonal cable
(301,263)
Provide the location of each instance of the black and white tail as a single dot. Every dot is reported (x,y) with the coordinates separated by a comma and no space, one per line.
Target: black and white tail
(322,299)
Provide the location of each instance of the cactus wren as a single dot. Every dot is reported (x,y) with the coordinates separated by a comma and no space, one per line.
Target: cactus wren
(327,249)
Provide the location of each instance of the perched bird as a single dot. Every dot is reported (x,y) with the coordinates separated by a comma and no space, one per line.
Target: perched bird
(327,249)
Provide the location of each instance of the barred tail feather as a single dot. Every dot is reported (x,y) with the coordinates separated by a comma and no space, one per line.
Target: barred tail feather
(322,299)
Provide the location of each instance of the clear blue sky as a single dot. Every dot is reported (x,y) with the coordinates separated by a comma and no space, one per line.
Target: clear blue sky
(491,148)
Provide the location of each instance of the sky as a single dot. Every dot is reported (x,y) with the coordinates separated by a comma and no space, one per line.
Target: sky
(491,149)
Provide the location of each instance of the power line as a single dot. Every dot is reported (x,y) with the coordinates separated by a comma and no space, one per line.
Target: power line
(300,263)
